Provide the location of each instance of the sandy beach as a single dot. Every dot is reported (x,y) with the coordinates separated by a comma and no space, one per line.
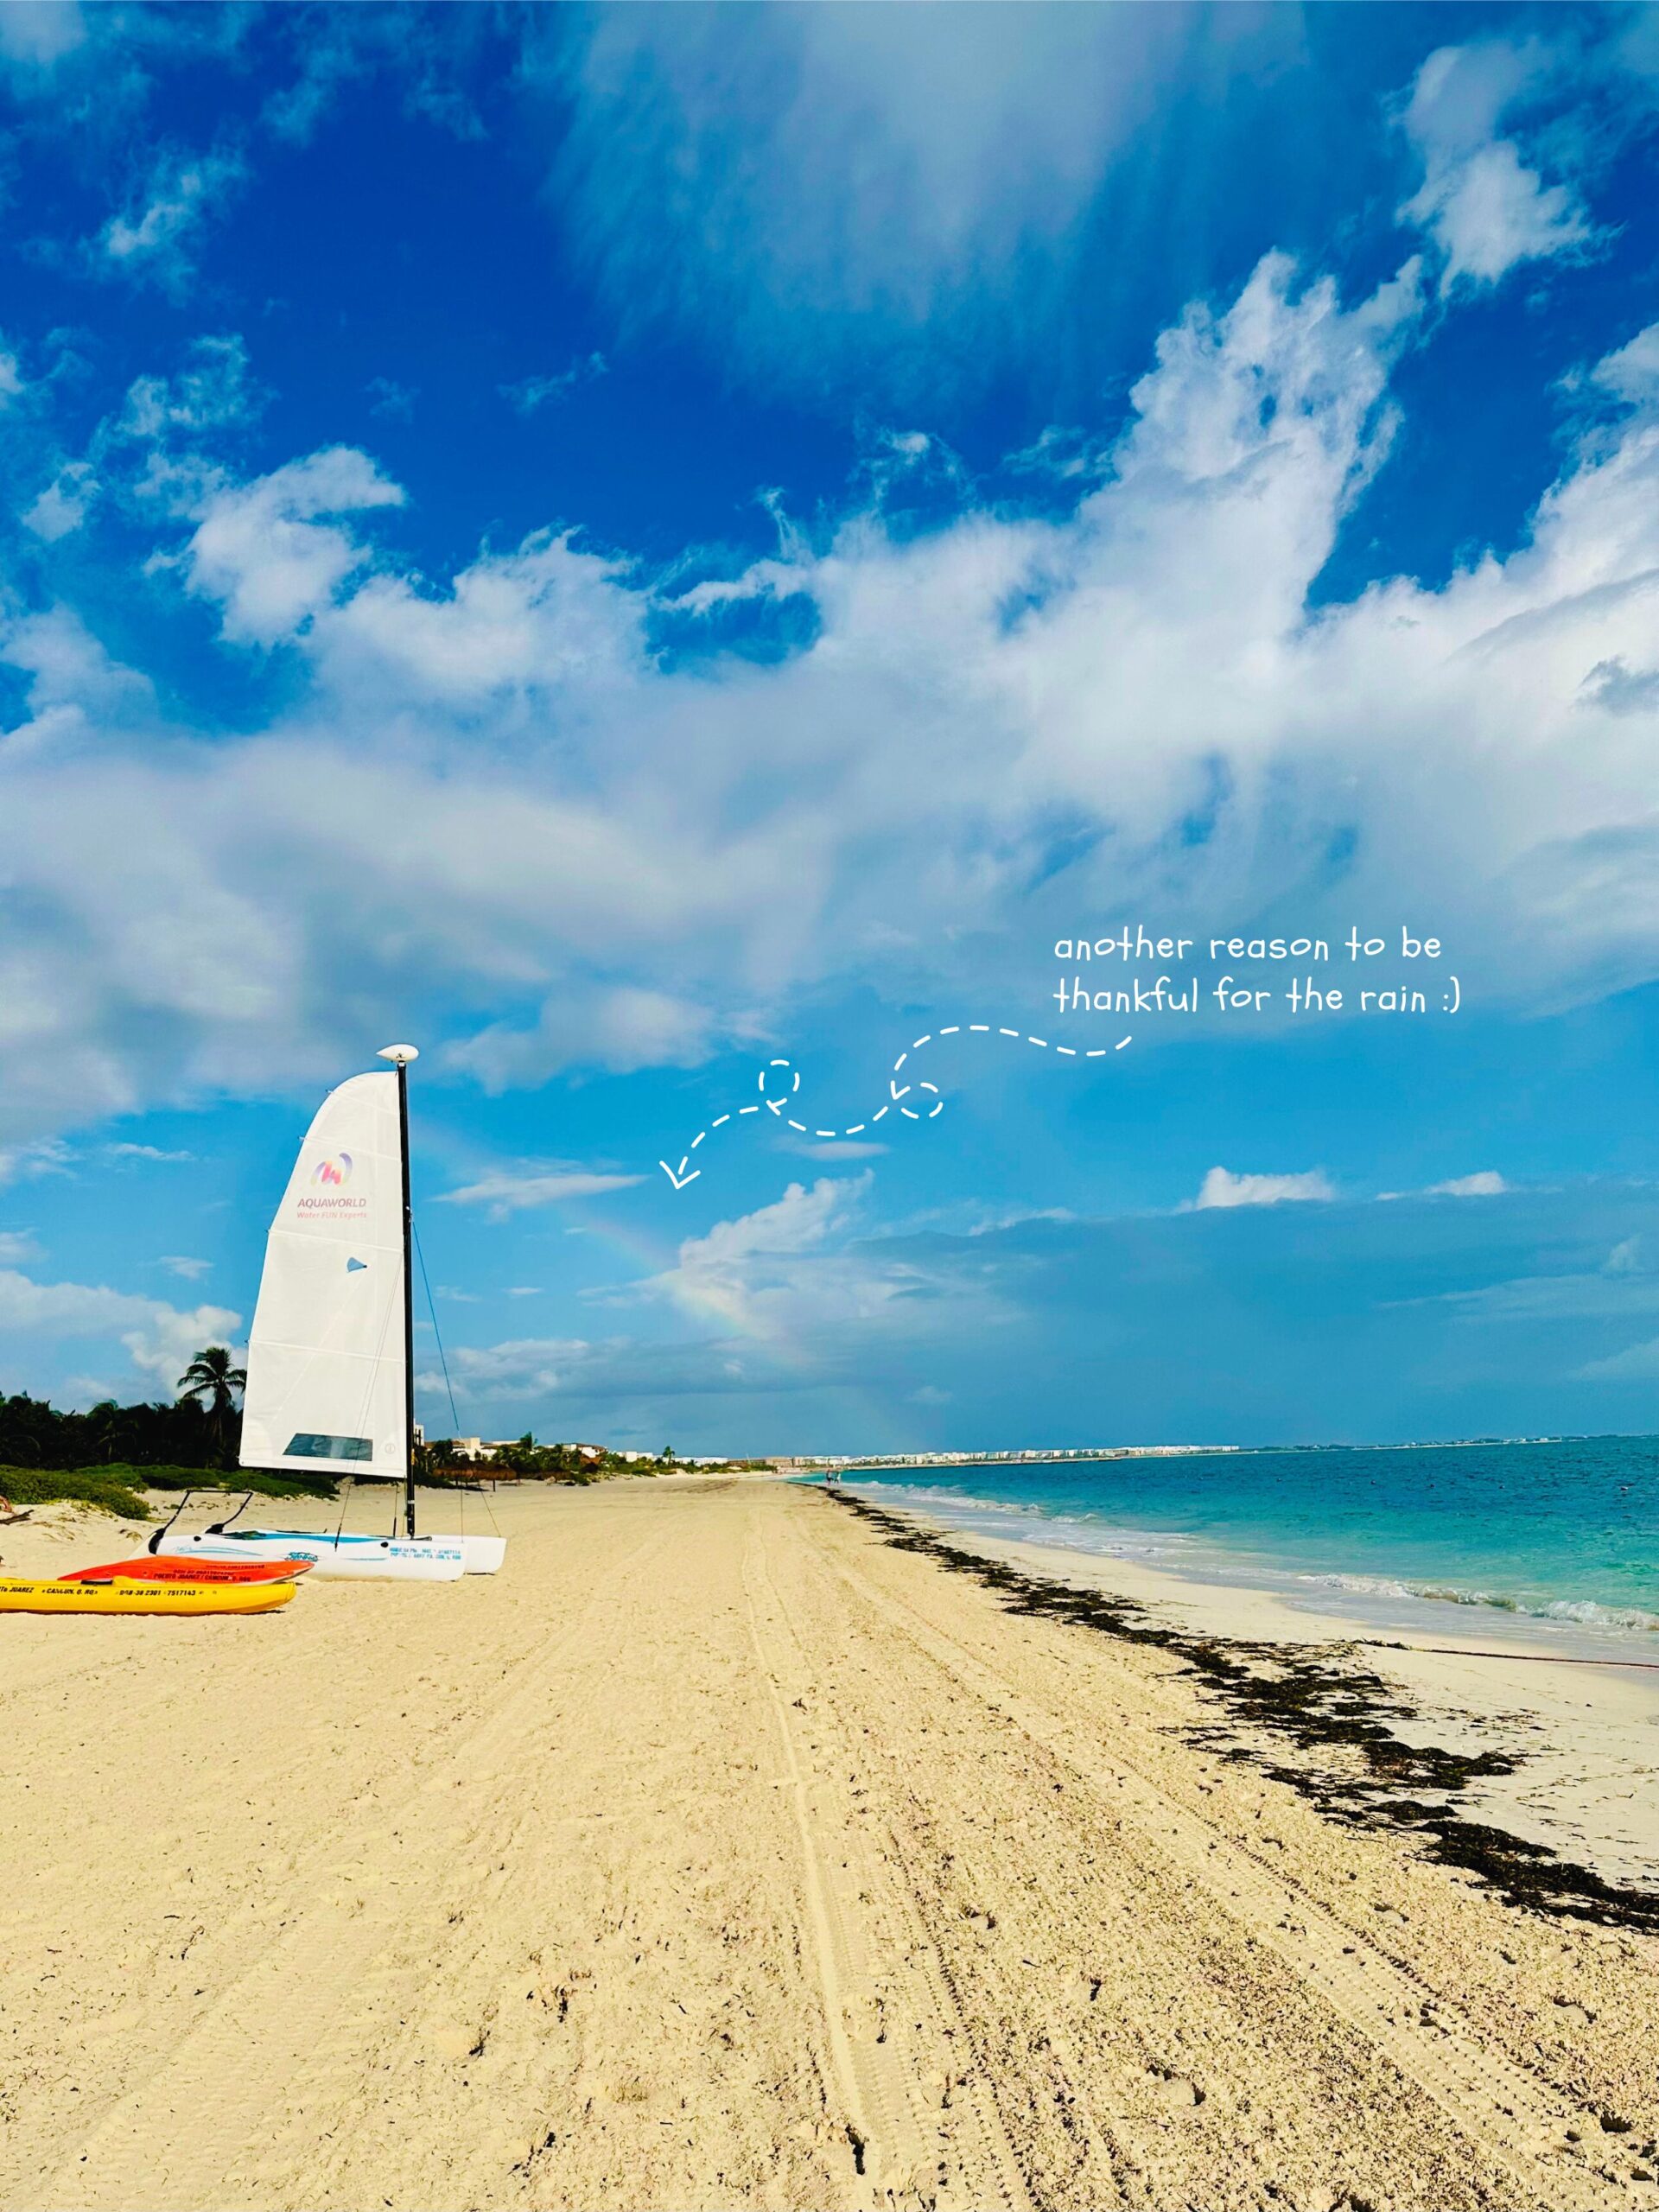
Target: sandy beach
(725,1852)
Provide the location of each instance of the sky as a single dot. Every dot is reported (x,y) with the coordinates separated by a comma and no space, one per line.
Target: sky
(688,558)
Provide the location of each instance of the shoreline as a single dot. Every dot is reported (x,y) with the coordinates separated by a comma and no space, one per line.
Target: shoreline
(1556,1750)
(1375,1601)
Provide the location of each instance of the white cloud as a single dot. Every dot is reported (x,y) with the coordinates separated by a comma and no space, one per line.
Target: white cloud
(785,1281)
(509,1191)
(187,1269)
(18,1245)
(65,502)
(1222,1188)
(76,692)
(148,1152)
(491,791)
(160,1339)
(1485,209)
(270,551)
(155,236)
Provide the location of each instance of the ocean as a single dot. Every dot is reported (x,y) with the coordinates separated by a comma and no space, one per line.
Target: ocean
(1560,1537)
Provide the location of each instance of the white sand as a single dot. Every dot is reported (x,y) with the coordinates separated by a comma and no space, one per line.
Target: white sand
(718,1853)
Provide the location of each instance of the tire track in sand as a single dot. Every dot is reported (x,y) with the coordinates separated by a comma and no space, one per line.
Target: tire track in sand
(175,2143)
(859,1925)
(1516,2122)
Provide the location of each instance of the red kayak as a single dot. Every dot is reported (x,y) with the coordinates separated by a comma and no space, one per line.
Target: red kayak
(163,1569)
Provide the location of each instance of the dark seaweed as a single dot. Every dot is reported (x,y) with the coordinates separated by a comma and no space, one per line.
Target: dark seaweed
(1311,1699)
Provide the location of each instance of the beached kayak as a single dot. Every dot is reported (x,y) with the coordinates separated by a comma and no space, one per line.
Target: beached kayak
(164,1568)
(185,1599)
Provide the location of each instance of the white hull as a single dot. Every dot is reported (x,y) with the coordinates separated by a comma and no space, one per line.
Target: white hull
(479,1555)
(395,1559)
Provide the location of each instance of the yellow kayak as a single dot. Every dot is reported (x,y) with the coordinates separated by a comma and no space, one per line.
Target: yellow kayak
(17,1596)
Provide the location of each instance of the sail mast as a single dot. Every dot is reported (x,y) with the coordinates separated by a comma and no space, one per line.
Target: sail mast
(401,1055)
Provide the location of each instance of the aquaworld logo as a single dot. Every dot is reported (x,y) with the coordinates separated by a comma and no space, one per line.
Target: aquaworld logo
(330,1176)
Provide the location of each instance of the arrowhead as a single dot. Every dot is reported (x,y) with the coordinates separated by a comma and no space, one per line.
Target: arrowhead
(682,1178)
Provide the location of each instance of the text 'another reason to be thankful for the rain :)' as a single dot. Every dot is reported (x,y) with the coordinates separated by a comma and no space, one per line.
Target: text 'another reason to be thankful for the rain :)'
(1150,972)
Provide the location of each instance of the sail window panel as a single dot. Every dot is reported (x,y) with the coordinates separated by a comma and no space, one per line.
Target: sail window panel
(308,1446)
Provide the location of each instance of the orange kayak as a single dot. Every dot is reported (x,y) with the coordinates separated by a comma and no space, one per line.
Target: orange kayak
(163,1569)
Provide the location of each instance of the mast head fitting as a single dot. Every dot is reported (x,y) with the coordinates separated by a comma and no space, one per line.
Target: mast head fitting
(401,1054)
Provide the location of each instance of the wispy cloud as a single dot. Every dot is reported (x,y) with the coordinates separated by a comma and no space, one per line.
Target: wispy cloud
(530,394)
(1485,1183)
(807,195)
(37,34)
(156,236)
(65,502)
(508,1191)
(394,401)
(47,1156)
(188,1269)
(829,1147)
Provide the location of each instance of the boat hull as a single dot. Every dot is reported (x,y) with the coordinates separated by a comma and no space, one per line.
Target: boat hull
(380,1559)
(182,1600)
(166,1568)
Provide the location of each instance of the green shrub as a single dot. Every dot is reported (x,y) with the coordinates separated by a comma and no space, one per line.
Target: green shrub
(120,1489)
(109,1491)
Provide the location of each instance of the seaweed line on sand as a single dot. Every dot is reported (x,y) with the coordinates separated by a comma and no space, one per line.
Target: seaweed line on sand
(1310,1699)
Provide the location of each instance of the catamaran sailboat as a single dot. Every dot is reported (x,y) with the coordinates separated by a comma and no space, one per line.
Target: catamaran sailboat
(331,1365)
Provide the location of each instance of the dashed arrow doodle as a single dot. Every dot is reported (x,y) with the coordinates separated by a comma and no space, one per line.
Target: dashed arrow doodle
(780,1082)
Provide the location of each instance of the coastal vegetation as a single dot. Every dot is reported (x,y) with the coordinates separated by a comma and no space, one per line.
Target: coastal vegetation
(110,1455)
(35,1433)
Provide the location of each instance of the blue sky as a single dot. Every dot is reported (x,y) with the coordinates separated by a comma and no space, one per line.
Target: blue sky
(625,544)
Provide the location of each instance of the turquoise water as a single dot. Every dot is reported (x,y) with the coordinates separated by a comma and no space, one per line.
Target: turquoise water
(1562,1536)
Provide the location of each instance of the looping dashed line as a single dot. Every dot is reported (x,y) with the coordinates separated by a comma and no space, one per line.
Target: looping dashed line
(897,1092)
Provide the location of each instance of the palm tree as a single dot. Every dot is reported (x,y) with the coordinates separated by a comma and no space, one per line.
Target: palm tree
(212,1381)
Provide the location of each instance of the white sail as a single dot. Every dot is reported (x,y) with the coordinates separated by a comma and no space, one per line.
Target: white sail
(325,1392)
